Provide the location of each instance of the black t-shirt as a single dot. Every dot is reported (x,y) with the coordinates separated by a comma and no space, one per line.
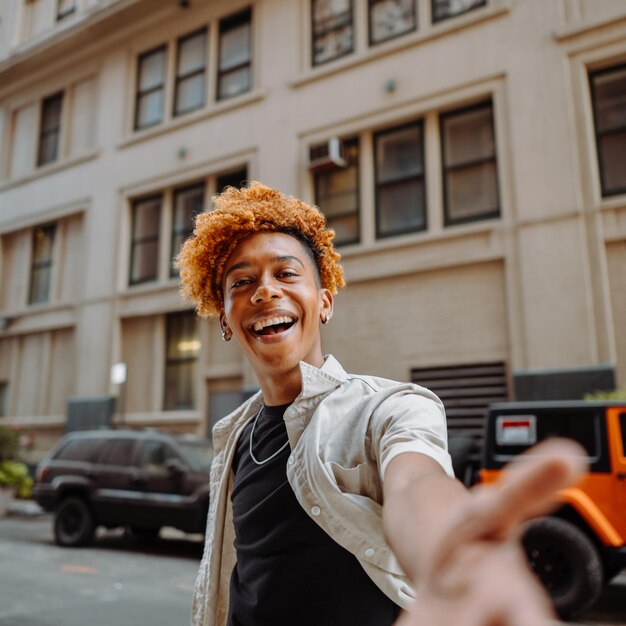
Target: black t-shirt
(289,571)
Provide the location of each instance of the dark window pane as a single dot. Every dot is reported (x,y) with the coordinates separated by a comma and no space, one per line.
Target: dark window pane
(613,158)
(449,8)
(469,164)
(150,88)
(150,109)
(399,154)
(610,99)
(469,136)
(190,73)
(609,104)
(472,191)
(333,33)
(234,83)
(190,94)
(337,195)
(400,188)
(234,179)
(391,18)
(235,55)
(182,349)
(41,265)
(50,130)
(154,456)
(622,425)
(188,203)
(145,240)
(65,8)
(401,208)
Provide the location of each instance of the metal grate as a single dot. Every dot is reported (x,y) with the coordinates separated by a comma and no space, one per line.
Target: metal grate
(466,392)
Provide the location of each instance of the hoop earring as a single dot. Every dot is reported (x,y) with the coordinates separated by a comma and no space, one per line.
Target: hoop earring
(227,334)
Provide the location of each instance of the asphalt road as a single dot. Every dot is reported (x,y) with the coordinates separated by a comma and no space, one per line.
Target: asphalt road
(121,581)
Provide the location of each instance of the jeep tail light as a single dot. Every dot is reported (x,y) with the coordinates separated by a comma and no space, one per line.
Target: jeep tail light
(516,430)
(42,473)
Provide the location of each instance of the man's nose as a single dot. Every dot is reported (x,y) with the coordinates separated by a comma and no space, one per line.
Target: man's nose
(267,289)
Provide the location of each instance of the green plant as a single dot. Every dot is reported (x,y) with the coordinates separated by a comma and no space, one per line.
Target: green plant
(13,473)
(614,394)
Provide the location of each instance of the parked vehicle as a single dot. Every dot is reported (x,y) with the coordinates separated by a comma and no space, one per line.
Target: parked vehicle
(582,545)
(142,480)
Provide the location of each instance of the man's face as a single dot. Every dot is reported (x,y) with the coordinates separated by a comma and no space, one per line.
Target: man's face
(273,302)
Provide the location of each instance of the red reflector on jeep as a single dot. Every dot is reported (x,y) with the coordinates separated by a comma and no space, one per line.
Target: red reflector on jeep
(520,430)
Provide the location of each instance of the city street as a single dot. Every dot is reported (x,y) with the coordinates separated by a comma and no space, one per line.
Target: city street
(121,581)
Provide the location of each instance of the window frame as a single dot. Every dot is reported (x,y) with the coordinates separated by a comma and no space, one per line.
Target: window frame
(134,241)
(45,133)
(437,20)
(356,139)
(493,214)
(314,35)
(226,23)
(162,86)
(176,361)
(419,122)
(40,264)
(180,78)
(63,14)
(175,232)
(371,42)
(600,134)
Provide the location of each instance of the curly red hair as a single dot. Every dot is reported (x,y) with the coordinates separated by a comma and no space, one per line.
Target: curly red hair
(237,214)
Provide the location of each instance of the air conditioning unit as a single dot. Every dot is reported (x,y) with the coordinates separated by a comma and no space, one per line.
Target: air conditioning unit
(327,156)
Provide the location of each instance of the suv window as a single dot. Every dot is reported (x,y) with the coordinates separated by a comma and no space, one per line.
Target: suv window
(79,450)
(622,427)
(117,452)
(155,454)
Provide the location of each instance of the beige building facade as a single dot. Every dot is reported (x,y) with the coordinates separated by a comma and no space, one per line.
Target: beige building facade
(470,154)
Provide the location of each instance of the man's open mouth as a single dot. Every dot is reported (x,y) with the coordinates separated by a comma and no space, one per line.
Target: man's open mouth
(273,325)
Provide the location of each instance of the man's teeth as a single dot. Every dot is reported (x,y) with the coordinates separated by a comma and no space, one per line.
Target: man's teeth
(258,326)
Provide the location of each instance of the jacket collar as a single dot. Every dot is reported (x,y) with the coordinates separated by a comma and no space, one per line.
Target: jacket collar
(318,380)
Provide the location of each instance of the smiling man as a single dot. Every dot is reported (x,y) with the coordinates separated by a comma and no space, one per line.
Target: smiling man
(332,497)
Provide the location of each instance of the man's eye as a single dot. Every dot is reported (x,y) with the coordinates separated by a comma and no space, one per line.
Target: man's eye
(287,274)
(240,283)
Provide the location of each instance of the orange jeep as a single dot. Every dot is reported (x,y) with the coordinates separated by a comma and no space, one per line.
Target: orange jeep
(582,545)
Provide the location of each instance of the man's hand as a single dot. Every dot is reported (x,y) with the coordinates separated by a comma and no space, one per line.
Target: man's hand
(460,549)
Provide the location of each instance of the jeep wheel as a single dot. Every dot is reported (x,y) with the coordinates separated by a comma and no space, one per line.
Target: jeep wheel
(566,562)
(73,523)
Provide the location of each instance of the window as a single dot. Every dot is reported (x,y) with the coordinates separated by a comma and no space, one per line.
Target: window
(117,452)
(233,179)
(150,88)
(390,18)
(622,426)
(154,456)
(188,202)
(443,9)
(235,55)
(80,450)
(65,8)
(41,267)
(333,29)
(4,399)
(50,129)
(144,252)
(182,351)
(608,88)
(190,73)
(337,195)
(470,175)
(400,185)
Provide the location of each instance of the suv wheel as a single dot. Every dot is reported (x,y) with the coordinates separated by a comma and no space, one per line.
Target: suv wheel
(73,523)
(566,562)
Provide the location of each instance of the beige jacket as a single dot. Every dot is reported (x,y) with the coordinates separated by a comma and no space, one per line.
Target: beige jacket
(343,431)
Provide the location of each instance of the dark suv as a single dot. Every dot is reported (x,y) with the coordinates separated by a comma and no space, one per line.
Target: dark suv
(142,480)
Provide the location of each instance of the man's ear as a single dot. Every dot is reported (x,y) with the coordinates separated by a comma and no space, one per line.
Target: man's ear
(326,305)
(227,333)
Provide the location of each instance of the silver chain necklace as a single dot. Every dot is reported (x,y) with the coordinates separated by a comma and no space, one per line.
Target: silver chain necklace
(256,419)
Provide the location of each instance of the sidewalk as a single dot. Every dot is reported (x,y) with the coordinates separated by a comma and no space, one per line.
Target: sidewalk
(25,508)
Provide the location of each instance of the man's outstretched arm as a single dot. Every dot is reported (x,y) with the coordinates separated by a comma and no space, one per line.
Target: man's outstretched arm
(459,548)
